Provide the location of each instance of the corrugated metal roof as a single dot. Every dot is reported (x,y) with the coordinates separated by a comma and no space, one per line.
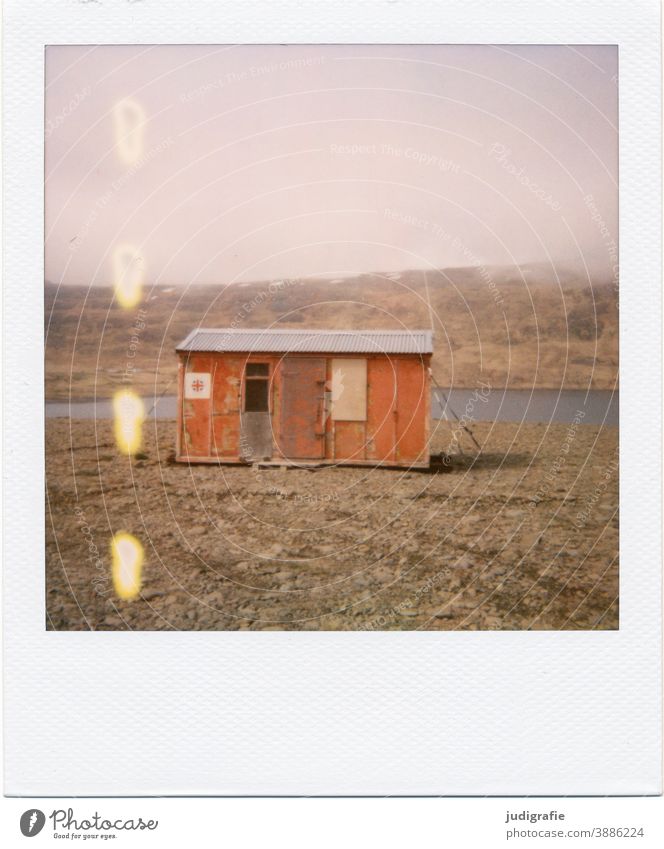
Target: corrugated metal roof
(309,341)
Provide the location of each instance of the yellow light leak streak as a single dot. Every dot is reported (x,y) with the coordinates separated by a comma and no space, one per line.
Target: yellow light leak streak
(127,557)
(128,413)
(129,119)
(128,270)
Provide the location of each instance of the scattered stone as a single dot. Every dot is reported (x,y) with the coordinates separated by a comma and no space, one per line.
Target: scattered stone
(150,594)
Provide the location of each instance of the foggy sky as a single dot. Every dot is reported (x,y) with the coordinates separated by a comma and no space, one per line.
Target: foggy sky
(263,162)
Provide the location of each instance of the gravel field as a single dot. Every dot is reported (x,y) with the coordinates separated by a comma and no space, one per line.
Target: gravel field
(525,536)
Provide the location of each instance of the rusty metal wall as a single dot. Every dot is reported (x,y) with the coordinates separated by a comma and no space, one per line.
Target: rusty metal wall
(412,405)
(395,431)
(226,405)
(350,441)
(381,409)
(196,419)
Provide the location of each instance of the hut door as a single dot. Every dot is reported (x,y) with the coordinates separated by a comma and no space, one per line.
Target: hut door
(256,422)
(302,393)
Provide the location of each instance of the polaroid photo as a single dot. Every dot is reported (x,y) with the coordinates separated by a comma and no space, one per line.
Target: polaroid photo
(332,403)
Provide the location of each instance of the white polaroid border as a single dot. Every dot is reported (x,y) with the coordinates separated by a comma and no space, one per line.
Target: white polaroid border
(461,713)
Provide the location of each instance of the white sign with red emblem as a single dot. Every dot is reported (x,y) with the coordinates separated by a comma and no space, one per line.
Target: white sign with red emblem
(196,385)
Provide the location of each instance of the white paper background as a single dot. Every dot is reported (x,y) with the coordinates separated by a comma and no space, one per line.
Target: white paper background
(315,713)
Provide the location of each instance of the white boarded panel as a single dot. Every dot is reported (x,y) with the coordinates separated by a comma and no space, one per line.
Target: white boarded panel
(196,385)
(349,390)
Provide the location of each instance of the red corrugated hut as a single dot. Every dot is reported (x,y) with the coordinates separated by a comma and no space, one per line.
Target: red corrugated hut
(306,397)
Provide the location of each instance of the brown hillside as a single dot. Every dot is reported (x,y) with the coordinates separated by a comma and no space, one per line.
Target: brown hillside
(506,326)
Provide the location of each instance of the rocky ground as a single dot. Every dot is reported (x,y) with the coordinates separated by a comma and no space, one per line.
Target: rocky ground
(523,537)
